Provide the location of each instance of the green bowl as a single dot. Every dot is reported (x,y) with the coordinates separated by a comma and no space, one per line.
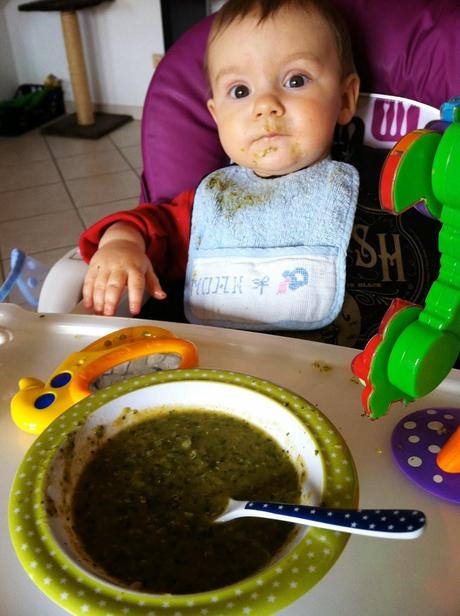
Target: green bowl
(49,554)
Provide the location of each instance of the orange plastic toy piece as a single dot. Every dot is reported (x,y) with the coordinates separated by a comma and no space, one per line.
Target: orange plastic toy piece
(448,459)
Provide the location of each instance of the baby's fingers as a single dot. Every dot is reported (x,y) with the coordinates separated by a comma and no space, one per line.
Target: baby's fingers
(88,287)
(153,285)
(136,286)
(94,288)
(108,291)
(137,283)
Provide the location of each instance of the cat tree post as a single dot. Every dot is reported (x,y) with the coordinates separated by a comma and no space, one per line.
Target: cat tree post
(85,123)
(77,68)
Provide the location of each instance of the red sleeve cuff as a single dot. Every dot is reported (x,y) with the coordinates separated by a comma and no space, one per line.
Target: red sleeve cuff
(165,228)
(89,240)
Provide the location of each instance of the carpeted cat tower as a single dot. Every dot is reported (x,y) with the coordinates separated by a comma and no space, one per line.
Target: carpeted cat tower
(85,123)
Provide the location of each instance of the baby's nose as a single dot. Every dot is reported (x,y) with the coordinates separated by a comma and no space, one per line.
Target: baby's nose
(268,105)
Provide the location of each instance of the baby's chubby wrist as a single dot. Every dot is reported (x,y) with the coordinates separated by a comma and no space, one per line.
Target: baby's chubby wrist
(122,232)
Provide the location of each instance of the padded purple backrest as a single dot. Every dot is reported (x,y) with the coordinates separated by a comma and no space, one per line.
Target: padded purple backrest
(179,138)
(408,48)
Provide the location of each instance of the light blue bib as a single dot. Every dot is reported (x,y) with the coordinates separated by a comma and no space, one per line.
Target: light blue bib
(270,253)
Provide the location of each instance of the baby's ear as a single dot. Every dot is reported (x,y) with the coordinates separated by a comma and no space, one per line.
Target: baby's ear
(350,93)
(212,109)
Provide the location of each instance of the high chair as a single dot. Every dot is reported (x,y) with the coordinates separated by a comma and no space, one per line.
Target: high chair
(407,50)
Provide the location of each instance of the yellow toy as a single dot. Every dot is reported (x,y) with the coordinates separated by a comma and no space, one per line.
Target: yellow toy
(37,404)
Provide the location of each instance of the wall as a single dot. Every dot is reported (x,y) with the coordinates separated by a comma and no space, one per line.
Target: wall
(214,5)
(119,39)
(8,80)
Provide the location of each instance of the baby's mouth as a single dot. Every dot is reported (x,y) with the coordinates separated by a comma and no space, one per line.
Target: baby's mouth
(269,137)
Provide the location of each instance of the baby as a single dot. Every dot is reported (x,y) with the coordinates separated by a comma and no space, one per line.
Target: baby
(262,243)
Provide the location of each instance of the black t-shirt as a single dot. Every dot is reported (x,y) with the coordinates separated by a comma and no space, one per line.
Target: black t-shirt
(388,256)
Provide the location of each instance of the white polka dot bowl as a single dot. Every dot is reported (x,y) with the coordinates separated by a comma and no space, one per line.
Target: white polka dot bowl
(50,554)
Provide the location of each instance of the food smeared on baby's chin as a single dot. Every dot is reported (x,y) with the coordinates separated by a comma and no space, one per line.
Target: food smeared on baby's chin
(295,151)
(263,153)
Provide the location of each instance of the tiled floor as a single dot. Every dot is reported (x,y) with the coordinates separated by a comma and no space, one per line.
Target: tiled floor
(52,188)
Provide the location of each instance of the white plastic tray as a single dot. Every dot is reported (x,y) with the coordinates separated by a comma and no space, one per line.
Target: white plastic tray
(373,576)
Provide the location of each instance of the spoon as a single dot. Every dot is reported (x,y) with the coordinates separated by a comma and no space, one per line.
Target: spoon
(384,523)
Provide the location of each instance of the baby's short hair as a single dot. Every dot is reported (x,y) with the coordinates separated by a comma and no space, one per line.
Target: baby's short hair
(238,9)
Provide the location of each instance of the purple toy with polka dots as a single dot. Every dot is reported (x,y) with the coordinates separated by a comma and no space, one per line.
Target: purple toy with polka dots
(417,440)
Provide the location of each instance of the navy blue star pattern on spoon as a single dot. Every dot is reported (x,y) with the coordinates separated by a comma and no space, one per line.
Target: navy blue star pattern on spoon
(383,523)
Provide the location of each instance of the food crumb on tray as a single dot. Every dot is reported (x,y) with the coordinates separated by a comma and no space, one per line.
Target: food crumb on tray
(322,366)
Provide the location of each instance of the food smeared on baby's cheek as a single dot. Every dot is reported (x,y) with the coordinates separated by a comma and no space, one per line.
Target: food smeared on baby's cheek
(296,149)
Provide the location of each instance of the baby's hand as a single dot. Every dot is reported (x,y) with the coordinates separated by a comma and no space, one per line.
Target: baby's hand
(119,263)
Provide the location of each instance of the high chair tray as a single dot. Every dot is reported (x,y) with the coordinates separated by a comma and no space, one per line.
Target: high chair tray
(372,576)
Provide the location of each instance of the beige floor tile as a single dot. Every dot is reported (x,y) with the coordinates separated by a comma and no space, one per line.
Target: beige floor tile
(33,201)
(17,177)
(133,155)
(36,210)
(91,164)
(40,233)
(128,134)
(93,213)
(64,146)
(104,188)
(50,257)
(24,149)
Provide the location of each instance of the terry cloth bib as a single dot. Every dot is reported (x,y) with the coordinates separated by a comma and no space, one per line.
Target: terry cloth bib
(270,253)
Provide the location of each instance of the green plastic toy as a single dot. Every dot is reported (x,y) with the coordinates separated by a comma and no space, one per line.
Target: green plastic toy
(416,347)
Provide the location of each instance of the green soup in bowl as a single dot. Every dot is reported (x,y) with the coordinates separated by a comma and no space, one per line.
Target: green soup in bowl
(145,504)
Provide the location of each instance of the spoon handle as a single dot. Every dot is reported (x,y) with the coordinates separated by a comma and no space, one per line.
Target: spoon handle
(385,523)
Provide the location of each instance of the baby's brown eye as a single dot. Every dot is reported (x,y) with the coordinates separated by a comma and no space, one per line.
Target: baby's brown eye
(296,81)
(239,91)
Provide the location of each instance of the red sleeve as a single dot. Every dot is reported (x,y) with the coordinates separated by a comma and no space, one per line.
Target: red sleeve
(165,228)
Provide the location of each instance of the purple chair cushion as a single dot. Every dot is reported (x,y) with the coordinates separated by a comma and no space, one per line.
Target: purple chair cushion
(407,48)
(179,138)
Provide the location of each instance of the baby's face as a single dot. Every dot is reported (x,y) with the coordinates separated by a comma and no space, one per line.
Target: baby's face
(278,91)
